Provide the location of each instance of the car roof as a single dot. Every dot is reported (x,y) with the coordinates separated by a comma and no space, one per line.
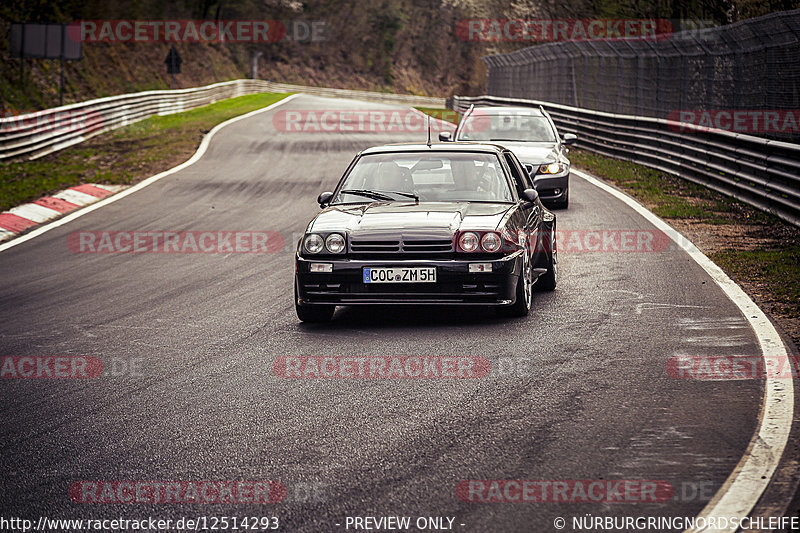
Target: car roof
(436,147)
(499,110)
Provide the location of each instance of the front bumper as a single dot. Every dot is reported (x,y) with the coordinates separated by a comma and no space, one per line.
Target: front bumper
(455,285)
(547,186)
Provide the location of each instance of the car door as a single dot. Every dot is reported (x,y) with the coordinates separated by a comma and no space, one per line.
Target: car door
(531,213)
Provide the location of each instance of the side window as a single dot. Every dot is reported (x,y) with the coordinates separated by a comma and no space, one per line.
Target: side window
(519,173)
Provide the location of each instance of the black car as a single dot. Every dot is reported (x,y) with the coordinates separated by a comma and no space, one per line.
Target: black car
(450,223)
(531,134)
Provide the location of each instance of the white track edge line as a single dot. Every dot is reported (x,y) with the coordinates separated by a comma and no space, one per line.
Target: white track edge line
(201,150)
(741,491)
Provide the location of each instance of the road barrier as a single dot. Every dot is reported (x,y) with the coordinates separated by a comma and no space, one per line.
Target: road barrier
(761,172)
(33,135)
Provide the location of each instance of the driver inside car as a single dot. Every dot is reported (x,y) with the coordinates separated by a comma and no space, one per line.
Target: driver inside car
(391,177)
(466,176)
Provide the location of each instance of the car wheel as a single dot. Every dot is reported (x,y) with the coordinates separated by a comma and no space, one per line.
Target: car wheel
(524,294)
(313,313)
(548,280)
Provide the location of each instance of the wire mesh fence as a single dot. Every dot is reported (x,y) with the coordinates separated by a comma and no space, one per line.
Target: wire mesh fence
(752,66)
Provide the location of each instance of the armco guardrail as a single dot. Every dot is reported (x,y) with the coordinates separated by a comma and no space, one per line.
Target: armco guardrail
(36,134)
(761,172)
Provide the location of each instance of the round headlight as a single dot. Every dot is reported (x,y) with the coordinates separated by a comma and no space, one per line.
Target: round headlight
(468,241)
(490,242)
(334,243)
(550,168)
(313,243)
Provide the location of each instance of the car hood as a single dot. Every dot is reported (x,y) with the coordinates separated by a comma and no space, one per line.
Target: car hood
(409,218)
(533,153)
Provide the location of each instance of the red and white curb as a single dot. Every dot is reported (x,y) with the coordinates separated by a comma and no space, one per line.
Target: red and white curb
(22,217)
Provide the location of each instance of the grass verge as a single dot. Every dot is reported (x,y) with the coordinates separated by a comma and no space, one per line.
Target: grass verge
(757,250)
(123,156)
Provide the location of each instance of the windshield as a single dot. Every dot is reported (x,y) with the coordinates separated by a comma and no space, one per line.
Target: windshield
(506,127)
(430,177)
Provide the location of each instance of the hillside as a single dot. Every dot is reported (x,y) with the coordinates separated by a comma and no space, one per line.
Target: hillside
(407,46)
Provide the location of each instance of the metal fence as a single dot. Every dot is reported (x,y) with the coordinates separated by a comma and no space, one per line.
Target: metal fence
(749,65)
(763,173)
(37,134)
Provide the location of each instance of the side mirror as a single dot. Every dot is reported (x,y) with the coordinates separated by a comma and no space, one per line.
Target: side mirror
(569,138)
(530,195)
(529,169)
(445,136)
(324,198)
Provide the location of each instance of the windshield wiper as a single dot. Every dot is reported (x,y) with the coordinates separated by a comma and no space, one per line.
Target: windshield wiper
(368,194)
(406,194)
(379,195)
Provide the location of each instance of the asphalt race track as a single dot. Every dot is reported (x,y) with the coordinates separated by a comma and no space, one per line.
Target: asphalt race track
(583,395)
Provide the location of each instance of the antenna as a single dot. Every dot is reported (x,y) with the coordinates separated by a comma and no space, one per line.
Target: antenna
(429,131)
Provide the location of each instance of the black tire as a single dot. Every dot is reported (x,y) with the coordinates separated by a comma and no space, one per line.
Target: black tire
(548,280)
(524,294)
(313,313)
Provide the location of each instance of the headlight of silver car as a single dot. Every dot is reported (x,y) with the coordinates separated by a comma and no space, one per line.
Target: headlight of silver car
(552,168)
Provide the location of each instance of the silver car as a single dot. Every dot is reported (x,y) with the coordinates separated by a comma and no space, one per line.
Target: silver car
(533,137)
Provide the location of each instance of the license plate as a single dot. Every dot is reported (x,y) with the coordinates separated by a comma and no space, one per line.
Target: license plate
(400,275)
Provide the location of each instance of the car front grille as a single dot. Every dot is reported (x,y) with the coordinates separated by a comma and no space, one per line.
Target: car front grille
(374,246)
(402,246)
